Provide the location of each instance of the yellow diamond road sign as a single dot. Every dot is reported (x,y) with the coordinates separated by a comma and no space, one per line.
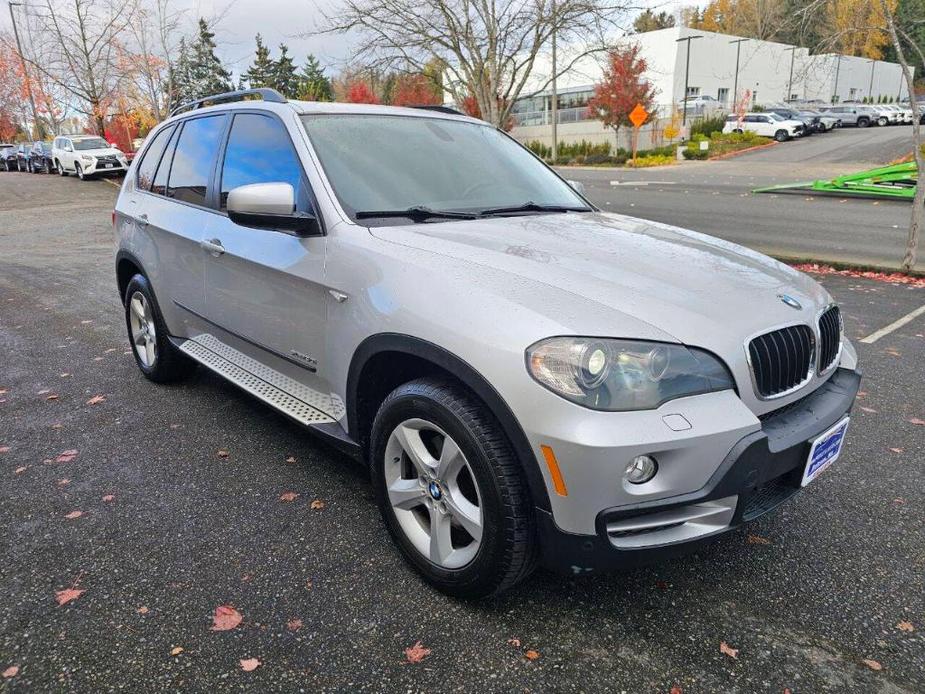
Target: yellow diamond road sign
(638,115)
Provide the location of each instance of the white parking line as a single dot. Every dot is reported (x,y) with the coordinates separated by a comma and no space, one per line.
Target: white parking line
(642,183)
(895,325)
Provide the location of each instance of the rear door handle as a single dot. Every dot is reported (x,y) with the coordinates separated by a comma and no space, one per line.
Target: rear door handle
(142,219)
(214,246)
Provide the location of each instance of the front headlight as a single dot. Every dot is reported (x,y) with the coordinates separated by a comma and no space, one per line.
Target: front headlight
(618,375)
(86,157)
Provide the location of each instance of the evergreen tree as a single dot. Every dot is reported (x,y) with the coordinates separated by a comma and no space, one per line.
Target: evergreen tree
(182,88)
(207,75)
(649,21)
(284,77)
(315,86)
(261,71)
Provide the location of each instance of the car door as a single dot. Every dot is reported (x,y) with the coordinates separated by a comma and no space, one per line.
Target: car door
(265,288)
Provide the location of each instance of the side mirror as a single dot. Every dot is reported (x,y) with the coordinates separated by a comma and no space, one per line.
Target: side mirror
(577,186)
(270,206)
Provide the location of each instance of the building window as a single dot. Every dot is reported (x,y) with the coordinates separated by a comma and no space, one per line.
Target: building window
(722,94)
(693,91)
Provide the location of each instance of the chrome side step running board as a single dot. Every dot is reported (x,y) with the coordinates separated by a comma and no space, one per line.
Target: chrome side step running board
(674,525)
(272,387)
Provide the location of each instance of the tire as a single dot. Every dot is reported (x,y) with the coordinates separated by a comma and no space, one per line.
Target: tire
(440,411)
(80,172)
(882,121)
(157,357)
(61,171)
(863,122)
(47,168)
(781,135)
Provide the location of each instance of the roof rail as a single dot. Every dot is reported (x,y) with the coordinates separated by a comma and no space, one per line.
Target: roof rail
(264,93)
(440,109)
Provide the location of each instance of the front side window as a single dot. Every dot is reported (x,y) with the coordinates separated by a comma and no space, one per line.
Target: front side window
(151,157)
(378,162)
(259,151)
(193,159)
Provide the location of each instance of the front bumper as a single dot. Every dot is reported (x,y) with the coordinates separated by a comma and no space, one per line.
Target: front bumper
(760,472)
(98,168)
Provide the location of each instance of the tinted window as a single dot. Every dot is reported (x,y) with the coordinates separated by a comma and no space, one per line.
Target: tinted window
(259,151)
(193,159)
(152,156)
(163,169)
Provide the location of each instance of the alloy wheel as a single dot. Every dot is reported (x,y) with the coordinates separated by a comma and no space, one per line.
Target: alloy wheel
(433,493)
(144,337)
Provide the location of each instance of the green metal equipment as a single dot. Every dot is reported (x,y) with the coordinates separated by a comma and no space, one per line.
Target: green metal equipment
(896,181)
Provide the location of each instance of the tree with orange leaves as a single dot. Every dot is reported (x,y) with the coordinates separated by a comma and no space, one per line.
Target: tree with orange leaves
(415,90)
(621,88)
(359,92)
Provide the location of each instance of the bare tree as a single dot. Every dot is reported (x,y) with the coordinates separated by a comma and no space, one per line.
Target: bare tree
(79,41)
(489,47)
(155,33)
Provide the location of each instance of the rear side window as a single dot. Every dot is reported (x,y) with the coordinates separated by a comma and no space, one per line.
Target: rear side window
(152,156)
(260,151)
(194,158)
(163,169)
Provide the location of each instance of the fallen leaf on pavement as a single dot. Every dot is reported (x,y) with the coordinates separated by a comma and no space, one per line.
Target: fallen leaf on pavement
(317,504)
(4,449)
(45,391)
(20,469)
(63,482)
(532,655)
(108,498)
(726,649)
(74,514)
(249,664)
(67,595)
(53,396)
(758,540)
(515,642)
(225,618)
(676,690)
(868,409)
(288,496)
(872,664)
(222,454)
(176,650)
(897,450)
(96,400)
(290,459)
(66,456)
(917,421)
(416,653)
(294,624)
(11,671)
(142,610)
(905,626)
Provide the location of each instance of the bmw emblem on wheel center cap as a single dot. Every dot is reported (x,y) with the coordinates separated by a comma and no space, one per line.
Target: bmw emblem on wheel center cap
(790,301)
(435,492)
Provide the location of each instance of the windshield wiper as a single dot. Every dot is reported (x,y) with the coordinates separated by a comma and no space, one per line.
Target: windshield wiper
(418,213)
(531,206)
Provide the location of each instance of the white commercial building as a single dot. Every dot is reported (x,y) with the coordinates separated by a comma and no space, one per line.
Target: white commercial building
(767,72)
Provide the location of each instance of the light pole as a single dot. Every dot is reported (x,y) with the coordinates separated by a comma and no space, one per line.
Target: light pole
(870,89)
(835,91)
(38,130)
(554,104)
(687,71)
(793,53)
(735,84)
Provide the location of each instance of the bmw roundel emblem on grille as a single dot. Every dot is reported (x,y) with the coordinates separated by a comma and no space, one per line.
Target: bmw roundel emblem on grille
(790,301)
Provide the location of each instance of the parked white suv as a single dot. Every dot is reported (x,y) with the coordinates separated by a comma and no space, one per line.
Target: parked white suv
(528,379)
(765,124)
(87,156)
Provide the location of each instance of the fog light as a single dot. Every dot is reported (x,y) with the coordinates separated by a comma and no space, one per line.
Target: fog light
(641,469)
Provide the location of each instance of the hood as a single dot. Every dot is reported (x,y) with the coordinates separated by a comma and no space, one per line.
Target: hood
(101,152)
(698,289)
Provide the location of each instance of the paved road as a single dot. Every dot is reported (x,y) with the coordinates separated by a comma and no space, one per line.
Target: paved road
(715,197)
(805,595)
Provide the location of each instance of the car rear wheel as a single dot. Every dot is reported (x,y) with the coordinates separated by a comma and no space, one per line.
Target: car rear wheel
(781,136)
(863,122)
(157,357)
(450,489)
(47,167)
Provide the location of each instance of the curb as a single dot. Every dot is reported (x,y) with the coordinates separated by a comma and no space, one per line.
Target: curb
(730,155)
(836,267)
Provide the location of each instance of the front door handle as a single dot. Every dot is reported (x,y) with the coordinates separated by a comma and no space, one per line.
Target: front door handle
(214,246)
(142,220)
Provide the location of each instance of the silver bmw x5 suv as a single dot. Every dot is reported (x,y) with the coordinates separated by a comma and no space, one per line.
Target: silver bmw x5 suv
(529,380)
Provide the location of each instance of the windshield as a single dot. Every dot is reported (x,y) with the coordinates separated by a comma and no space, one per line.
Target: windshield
(383,162)
(91,143)
(774,116)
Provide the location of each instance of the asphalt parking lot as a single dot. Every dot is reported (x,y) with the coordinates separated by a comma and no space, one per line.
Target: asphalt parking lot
(715,197)
(179,488)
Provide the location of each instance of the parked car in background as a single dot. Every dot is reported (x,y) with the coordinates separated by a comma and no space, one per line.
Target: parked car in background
(22,156)
(87,156)
(790,114)
(822,123)
(40,158)
(8,157)
(850,114)
(765,124)
(904,113)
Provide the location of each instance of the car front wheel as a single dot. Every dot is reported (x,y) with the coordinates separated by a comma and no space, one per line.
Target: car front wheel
(80,172)
(157,357)
(863,122)
(61,171)
(781,136)
(451,490)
